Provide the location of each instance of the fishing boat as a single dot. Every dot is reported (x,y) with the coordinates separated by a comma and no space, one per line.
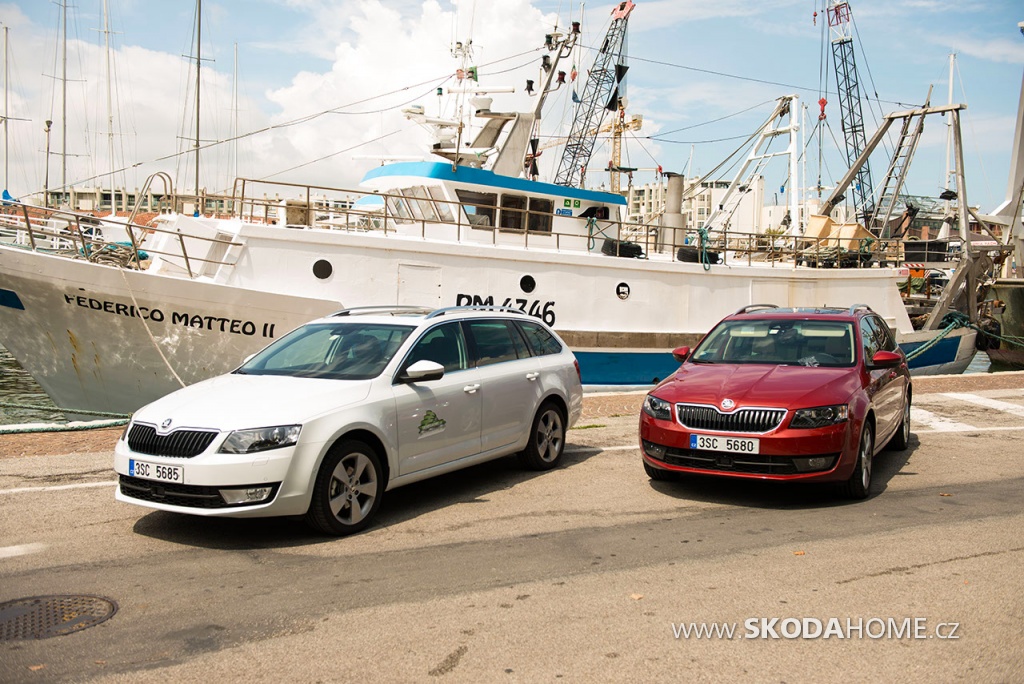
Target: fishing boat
(107,318)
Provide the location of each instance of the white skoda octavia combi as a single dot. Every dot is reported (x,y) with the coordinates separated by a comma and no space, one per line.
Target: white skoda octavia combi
(325,420)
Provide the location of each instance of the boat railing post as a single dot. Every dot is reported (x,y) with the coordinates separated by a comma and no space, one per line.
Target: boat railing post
(130,229)
(184,254)
(28,227)
(81,239)
(309,209)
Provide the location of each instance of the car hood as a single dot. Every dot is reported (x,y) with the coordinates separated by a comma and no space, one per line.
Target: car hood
(788,387)
(234,401)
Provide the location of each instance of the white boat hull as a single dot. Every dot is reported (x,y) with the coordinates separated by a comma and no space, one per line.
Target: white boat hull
(105,339)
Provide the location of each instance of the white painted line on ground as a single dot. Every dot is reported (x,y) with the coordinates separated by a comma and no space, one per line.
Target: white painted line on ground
(937,423)
(572,450)
(58,487)
(989,429)
(1004,406)
(21,550)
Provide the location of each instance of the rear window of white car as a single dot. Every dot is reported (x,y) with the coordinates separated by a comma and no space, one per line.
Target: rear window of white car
(541,341)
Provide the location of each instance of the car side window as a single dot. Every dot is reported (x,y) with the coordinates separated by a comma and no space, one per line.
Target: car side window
(541,341)
(445,345)
(884,336)
(869,338)
(493,341)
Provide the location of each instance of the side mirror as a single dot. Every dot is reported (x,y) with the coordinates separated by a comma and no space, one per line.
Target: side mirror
(422,371)
(681,354)
(886,359)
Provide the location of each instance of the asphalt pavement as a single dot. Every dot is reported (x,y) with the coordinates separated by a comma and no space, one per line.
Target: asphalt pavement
(590,572)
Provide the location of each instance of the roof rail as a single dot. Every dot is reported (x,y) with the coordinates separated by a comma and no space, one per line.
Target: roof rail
(853,309)
(476,307)
(751,307)
(385,309)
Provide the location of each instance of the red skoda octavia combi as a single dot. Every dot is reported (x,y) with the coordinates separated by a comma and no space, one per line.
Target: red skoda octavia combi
(782,394)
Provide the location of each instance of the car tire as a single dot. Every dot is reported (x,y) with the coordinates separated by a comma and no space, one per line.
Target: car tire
(348,489)
(900,440)
(547,438)
(658,474)
(859,484)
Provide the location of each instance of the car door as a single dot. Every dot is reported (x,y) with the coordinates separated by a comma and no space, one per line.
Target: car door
(886,385)
(438,421)
(509,382)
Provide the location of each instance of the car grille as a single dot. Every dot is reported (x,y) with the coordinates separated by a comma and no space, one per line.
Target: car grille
(743,420)
(191,496)
(143,439)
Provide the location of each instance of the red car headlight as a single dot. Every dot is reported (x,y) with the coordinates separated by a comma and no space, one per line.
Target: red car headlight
(657,408)
(821,416)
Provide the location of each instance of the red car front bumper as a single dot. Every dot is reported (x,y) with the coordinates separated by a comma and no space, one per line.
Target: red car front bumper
(825,454)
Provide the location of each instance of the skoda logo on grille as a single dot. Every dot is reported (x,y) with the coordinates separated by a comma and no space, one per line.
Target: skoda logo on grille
(167,423)
(727,404)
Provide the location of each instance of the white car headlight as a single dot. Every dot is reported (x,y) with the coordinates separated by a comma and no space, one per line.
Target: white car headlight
(260,439)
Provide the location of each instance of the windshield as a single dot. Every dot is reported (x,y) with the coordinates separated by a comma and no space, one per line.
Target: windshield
(778,342)
(340,351)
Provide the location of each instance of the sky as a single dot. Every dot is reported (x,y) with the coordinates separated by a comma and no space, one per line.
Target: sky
(321,84)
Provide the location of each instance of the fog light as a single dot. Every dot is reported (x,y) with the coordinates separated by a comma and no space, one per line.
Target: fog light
(806,465)
(247,495)
(654,450)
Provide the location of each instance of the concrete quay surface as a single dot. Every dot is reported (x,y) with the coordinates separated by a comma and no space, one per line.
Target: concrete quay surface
(590,572)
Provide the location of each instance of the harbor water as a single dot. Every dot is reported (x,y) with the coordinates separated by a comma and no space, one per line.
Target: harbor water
(18,387)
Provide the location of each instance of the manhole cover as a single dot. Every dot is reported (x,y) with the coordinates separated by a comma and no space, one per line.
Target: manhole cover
(42,617)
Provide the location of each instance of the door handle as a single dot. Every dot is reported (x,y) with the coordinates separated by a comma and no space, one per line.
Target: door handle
(469,389)
(532,376)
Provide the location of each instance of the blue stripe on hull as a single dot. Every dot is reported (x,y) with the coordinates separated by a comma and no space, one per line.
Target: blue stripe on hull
(648,368)
(625,368)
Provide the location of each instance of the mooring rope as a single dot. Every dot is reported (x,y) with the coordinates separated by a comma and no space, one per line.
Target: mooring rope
(954,320)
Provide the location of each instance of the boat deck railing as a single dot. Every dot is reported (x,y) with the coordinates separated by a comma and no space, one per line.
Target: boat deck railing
(429,217)
(424,216)
(82,236)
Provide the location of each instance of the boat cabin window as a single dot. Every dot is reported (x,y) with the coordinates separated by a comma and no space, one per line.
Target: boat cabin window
(479,206)
(398,207)
(419,201)
(512,212)
(539,219)
(444,210)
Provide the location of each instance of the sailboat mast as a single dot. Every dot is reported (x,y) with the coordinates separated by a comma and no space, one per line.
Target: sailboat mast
(6,81)
(199,43)
(110,111)
(949,127)
(234,119)
(64,101)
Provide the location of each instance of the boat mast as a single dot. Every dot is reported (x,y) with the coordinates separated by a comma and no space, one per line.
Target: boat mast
(64,102)
(6,81)
(234,119)
(199,42)
(110,111)
(949,131)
